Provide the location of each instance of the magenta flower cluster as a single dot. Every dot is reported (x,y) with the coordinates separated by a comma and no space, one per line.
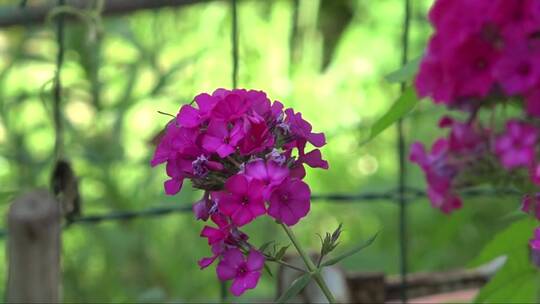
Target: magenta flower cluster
(248,155)
(483,55)
(482,48)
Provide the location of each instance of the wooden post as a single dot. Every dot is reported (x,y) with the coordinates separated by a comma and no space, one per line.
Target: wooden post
(34,249)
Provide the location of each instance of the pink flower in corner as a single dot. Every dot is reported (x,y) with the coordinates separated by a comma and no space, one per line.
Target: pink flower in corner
(531,204)
(244,202)
(290,201)
(535,242)
(534,173)
(245,273)
(516,147)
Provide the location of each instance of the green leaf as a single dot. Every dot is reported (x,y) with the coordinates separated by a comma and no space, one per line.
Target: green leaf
(295,288)
(405,103)
(511,286)
(350,252)
(265,246)
(268,270)
(507,242)
(517,281)
(405,73)
(281,252)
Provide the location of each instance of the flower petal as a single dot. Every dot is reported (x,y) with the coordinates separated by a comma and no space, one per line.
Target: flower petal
(233,257)
(240,285)
(173,186)
(225,271)
(255,261)
(317,139)
(237,184)
(257,169)
(242,216)
(188,116)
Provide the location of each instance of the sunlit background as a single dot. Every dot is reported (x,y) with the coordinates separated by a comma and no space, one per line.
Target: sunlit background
(120,72)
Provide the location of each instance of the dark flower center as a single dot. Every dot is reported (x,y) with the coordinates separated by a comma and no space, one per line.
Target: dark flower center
(524,69)
(241,271)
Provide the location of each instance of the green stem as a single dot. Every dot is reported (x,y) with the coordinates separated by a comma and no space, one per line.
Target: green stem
(309,264)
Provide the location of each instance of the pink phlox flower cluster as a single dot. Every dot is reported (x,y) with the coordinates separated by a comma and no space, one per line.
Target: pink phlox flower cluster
(248,154)
(481,48)
(447,159)
(482,53)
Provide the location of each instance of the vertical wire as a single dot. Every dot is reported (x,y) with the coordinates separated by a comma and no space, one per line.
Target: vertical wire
(234,42)
(403,250)
(57,91)
(294,33)
(234,76)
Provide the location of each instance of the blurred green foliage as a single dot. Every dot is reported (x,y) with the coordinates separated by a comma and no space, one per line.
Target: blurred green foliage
(116,79)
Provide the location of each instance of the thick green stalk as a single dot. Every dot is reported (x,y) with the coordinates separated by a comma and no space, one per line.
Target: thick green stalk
(309,264)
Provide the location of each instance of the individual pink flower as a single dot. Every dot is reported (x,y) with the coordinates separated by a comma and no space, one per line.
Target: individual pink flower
(290,201)
(206,104)
(217,250)
(532,102)
(258,137)
(302,129)
(231,107)
(530,204)
(268,172)
(516,146)
(245,272)
(440,174)
(471,65)
(535,242)
(234,239)
(222,138)
(313,158)
(244,200)
(456,19)
(190,117)
(219,233)
(204,208)
(176,140)
(534,173)
(518,70)
(465,137)
(535,248)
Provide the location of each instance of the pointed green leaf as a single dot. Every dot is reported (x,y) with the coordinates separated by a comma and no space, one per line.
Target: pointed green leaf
(405,103)
(281,252)
(268,270)
(406,73)
(517,281)
(350,252)
(265,246)
(295,288)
